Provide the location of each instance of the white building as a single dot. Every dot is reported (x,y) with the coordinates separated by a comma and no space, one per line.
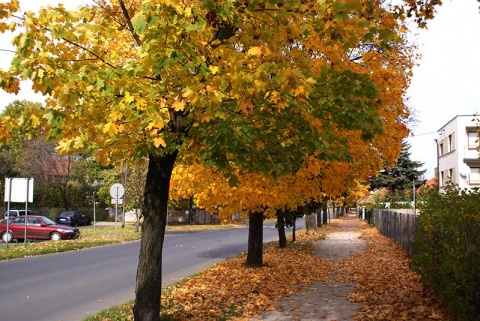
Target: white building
(457,155)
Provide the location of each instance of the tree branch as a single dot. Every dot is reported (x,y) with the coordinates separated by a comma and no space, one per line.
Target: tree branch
(129,22)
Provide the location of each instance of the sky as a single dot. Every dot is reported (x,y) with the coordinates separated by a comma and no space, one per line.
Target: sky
(446,82)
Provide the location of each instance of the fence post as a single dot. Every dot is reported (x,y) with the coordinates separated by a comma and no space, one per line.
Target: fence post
(401,229)
(408,234)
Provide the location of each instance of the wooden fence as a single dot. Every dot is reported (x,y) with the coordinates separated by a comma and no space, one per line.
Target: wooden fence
(399,225)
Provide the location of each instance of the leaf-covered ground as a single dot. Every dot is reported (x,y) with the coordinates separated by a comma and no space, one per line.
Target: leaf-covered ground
(386,288)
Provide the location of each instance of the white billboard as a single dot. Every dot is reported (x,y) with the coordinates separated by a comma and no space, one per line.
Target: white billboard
(21,187)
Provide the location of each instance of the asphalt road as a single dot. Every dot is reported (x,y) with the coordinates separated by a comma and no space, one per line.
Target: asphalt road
(73,285)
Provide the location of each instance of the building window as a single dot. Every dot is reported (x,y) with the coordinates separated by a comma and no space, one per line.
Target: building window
(474,178)
(451,176)
(441,149)
(451,143)
(472,140)
(447,176)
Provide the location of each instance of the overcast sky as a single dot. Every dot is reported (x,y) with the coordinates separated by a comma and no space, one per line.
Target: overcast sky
(446,84)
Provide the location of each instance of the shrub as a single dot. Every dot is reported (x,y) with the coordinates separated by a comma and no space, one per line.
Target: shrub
(447,249)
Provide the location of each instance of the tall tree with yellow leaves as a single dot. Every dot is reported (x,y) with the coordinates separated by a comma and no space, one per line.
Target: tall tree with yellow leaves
(252,85)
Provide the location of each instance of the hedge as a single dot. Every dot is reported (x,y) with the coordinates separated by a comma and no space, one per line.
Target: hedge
(447,254)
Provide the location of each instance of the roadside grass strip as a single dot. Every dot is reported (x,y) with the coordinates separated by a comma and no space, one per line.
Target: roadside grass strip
(90,237)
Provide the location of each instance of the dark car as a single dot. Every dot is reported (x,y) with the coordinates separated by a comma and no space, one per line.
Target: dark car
(38,228)
(73,218)
(14,213)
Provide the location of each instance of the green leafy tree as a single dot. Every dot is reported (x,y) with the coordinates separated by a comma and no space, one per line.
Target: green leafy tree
(10,152)
(136,175)
(400,176)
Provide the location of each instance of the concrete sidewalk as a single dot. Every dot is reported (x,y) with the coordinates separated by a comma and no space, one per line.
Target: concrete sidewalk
(324,300)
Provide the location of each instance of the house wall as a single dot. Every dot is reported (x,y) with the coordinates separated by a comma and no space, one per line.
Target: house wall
(454,149)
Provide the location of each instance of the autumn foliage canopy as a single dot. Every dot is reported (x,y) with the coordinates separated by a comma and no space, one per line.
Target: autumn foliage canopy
(255,89)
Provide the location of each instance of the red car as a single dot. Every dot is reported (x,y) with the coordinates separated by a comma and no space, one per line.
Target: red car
(38,228)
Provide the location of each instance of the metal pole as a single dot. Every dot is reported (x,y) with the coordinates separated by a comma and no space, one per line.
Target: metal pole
(26,214)
(8,205)
(414,200)
(94,210)
(124,196)
(438,165)
(116,212)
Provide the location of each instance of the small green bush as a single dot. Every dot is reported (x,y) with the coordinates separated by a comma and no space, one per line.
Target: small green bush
(447,249)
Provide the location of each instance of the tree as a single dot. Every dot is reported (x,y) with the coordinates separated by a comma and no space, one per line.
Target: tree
(39,160)
(10,153)
(257,86)
(401,175)
(135,187)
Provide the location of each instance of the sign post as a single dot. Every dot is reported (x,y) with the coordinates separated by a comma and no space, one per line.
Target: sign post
(116,192)
(18,190)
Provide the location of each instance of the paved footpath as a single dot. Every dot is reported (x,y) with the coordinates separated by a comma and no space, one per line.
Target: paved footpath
(324,301)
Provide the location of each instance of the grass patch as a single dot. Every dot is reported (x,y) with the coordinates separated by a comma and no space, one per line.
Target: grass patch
(89,237)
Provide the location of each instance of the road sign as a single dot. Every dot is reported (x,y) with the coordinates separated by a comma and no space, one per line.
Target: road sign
(118,201)
(117,190)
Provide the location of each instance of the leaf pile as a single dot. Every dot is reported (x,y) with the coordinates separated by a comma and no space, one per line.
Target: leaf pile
(386,287)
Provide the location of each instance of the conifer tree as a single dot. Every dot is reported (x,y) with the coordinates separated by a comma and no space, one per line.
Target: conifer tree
(401,175)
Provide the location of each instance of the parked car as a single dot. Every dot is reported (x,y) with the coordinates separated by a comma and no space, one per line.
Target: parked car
(73,218)
(14,213)
(38,228)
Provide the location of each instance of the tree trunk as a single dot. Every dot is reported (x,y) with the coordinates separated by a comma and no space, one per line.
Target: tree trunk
(255,240)
(319,217)
(294,227)
(137,221)
(149,273)
(325,213)
(310,224)
(63,193)
(190,211)
(282,238)
(335,211)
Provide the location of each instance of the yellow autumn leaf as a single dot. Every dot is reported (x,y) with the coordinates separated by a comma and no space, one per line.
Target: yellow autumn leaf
(311,81)
(110,129)
(156,124)
(34,121)
(204,118)
(158,141)
(255,51)
(78,143)
(213,69)
(63,146)
(188,92)
(141,103)
(300,90)
(129,98)
(178,105)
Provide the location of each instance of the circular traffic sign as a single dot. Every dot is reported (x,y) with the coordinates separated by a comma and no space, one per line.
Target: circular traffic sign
(117,190)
